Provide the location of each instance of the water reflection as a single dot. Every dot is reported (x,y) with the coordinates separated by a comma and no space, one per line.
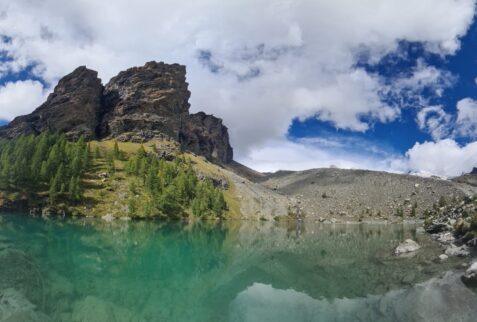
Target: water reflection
(216,271)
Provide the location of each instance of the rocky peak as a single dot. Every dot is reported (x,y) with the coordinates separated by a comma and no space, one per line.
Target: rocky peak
(153,99)
(140,103)
(72,108)
(205,133)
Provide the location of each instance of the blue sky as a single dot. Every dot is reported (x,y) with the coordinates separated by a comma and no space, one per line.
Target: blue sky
(401,135)
(382,84)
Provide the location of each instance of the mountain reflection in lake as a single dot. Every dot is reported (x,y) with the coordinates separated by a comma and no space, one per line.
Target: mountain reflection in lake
(88,270)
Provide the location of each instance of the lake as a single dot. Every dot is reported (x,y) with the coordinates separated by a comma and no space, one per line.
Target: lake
(90,270)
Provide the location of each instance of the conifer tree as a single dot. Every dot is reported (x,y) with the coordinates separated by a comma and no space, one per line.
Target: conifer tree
(116,152)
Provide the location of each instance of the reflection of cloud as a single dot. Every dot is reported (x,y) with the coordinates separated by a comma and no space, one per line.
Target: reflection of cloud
(436,300)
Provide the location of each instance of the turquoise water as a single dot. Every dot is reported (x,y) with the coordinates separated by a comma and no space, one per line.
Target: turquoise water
(88,270)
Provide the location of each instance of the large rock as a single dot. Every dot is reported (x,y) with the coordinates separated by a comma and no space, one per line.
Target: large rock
(72,108)
(408,246)
(453,250)
(470,276)
(139,104)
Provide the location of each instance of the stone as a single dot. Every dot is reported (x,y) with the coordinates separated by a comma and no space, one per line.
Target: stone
(453,250)
(103,175)
(443,257)
(470,276)
(408,246)
(108,218)
(436,228)
(445,238)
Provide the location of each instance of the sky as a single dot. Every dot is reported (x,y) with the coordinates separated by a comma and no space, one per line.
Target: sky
(373,84)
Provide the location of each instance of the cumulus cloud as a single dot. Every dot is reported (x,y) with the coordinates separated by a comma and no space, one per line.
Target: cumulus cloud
(434,120)
(445,157)
(466,124)
(258,64)
(20,97)
(310,153)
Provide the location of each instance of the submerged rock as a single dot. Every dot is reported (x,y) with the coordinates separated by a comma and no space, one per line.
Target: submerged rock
(408,246)
(14,306)
(470,276)
(93,308)
(19,271)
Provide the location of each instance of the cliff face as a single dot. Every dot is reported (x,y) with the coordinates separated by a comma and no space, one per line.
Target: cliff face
(72,108)
(138,104)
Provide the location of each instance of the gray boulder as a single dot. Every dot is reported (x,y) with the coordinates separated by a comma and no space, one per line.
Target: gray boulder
(408,246)
(470,276)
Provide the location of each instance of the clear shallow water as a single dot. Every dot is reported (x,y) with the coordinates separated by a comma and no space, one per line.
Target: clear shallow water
(85,270)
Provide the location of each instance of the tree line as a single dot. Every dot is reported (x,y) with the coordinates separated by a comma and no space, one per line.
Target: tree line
(44,162)
(50,164)
(171,188)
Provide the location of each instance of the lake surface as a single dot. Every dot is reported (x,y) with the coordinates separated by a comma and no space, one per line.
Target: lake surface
(88,270)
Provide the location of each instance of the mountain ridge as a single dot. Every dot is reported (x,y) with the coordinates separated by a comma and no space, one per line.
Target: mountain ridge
(137,105)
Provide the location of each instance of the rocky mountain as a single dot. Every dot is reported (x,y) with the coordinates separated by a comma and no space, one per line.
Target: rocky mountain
(139,104)
(73,108)
(353,194)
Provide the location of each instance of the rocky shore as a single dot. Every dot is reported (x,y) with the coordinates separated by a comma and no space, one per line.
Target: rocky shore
(454,227)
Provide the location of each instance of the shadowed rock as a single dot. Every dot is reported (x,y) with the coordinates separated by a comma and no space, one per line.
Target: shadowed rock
(72,108)
(139,104)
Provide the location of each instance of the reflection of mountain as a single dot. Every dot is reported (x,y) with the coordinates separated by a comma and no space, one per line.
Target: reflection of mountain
(428,301)
(185,272)
(325,261)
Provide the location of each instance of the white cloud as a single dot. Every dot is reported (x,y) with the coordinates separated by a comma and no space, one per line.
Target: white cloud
(345,101)
(18,98)
(466,124)
(435,121)
(273,60)
(409,89)
(446,158)
(322,153)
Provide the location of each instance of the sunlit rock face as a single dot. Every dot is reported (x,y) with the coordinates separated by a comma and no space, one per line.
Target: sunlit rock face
(139,104)
(153,98)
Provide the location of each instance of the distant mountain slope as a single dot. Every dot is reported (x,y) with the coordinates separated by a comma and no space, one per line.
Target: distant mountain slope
(350,194)
(469,178)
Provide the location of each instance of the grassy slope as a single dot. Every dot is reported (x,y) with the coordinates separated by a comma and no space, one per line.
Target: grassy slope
(110,196)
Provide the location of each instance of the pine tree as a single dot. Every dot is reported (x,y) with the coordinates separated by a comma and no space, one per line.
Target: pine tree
(219,205)
(110,165)
(116,152)
(132,207)
(74,189)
